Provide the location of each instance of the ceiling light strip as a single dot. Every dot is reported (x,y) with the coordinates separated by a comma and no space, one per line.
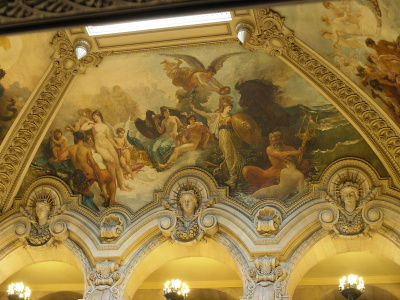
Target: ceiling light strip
(159,23)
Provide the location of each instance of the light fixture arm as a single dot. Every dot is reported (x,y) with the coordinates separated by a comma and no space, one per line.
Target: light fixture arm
(82,47)
(244,31)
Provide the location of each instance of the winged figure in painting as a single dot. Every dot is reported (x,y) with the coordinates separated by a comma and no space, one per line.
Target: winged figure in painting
(197,74)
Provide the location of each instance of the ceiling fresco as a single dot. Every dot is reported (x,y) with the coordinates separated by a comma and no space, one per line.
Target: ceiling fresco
(23,61)
(360,38)
(246,118)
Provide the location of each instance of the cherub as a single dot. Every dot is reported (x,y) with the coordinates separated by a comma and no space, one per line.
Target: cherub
(84,116)
(123,152)
(58,144)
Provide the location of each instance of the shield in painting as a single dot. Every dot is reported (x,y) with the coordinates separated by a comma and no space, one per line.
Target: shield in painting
(246,128)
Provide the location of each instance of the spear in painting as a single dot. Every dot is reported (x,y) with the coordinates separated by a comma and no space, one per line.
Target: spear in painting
(307,130)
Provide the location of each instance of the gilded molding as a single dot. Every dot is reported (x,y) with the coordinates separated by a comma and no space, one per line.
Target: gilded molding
(17,151)
(274,37)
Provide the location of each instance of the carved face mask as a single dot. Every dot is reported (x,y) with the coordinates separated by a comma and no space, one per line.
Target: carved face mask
(188,203)
(350,197)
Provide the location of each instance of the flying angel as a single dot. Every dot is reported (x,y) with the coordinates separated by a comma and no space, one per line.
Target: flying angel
(197,74)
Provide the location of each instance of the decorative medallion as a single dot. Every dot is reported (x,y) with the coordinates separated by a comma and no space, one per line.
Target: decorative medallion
(41,228)
(189,223)
(350,215)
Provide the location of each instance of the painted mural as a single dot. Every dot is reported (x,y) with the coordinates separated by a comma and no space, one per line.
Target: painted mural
(23,60)
(246,118)
(361,38)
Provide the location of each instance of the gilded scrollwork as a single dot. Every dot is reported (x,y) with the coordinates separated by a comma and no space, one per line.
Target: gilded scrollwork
(274,38)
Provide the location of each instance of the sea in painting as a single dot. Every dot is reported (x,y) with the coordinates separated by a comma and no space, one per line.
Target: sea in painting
(248,119)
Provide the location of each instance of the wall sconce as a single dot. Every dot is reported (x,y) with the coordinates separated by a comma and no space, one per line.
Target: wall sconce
(351,290)
(244,31)
(17,291)
(82,47)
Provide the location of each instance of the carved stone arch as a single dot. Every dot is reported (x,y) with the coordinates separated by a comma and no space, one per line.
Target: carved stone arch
(157,252)
(22,257)
(321,246)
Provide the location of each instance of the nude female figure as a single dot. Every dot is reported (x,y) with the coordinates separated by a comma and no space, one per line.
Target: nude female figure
(105,146)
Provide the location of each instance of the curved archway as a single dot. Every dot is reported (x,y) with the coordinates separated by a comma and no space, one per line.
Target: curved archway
(327,247)
(168,252)
(22,257)
(48,271)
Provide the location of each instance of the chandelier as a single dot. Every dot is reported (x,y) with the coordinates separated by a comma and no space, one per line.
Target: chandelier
(175,290)
(351,290)
(17,291)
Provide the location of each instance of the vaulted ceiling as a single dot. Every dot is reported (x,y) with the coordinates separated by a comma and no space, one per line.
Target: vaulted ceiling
(353,101)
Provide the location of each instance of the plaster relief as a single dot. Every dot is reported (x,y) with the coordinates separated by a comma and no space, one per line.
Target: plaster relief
(188,221)
(267,221)
(351,213)
(111,228)
(104,282)
(269,277)
(41,228)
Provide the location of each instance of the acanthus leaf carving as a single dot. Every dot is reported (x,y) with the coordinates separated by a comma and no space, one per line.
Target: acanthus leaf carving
(105,281)
(274,38)
(269,277)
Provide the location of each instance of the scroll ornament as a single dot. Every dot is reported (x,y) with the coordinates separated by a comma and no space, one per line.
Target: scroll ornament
(41,228)
(269,277)
(105,281)
(188,221)
(352,212)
